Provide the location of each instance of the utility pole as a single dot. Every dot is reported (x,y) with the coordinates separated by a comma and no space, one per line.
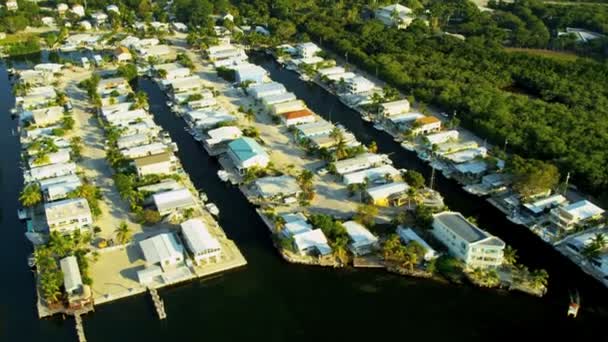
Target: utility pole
(432,181)
(346,57)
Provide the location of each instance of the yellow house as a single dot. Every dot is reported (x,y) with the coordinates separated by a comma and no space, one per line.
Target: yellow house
(387,194)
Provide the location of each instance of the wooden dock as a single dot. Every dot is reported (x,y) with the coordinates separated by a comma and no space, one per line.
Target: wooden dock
(158,303)
(79,328)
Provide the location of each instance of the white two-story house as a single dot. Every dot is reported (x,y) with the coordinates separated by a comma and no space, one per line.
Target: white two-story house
(465,241)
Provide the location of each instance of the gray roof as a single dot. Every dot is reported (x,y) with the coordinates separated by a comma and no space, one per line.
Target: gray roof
(461,227)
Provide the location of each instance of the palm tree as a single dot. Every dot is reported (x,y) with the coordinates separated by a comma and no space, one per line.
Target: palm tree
(599,240)
(123,233)
(279,223)
(510,255)
(539,278)
(31,195)
(141,99)
(339,246)
(411,193)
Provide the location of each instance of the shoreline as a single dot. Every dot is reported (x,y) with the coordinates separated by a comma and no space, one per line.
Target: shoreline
(415,147)
(307,260)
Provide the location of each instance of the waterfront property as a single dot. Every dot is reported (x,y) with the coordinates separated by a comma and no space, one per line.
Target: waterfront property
(160,164)
(362,241)
(375,174)
(203,246)
(68,215)
(392,108)
(391,194)
(408,235)
(246,153)
(78,294)
(57,188)
(297,117)
(567,217)
(163,255)
(426,125)
(49,171)
(277,189)
(312,242)
(307,50)
(475,247)
(360,162)
(174,201)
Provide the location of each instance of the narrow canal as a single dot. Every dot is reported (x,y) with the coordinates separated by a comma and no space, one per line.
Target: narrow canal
(271,300)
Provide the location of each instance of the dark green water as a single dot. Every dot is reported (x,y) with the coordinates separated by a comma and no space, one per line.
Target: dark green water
(274,301)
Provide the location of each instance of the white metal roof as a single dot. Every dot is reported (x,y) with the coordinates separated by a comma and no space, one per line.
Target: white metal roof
(65,209)
(71,273)
(359,234)
(441,137)
(161,247)
(272,186)
(583,210)
(548,202)
(373,173)
(466,155)
(313,238)
(296,227)
(386,190)
(198,237)
(359,162)
(173,199)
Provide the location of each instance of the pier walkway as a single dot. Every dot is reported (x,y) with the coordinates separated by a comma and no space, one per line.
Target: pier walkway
(158,303)
(79,328)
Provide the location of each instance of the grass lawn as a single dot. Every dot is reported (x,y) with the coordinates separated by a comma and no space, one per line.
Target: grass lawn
(559,55)
(16,38)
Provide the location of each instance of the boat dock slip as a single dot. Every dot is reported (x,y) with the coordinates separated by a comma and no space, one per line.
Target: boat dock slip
(79,327)
(158,303)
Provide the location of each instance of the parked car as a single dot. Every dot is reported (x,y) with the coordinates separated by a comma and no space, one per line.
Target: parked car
(68,106)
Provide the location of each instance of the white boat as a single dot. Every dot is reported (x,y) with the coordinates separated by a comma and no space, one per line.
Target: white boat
(212,208)
(169,104)
(379,127)
(31,261)
(224,176)
(22,214)
(366,118)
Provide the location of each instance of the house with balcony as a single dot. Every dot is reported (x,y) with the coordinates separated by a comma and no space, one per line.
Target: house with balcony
(467,242)
(68,215)
(566,217)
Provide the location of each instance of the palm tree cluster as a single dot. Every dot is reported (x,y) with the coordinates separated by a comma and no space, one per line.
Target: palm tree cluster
(366,214)
(485,277)
(47,256)
(405,256)
(593,249)
(340,148)
(305,181)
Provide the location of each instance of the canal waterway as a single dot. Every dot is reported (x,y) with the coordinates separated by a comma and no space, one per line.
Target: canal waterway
(271,300)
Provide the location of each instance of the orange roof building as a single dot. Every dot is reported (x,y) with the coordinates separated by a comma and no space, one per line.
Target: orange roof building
(297,117)
(427,120)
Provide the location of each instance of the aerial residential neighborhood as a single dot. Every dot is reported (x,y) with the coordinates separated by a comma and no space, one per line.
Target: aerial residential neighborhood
(212,156)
